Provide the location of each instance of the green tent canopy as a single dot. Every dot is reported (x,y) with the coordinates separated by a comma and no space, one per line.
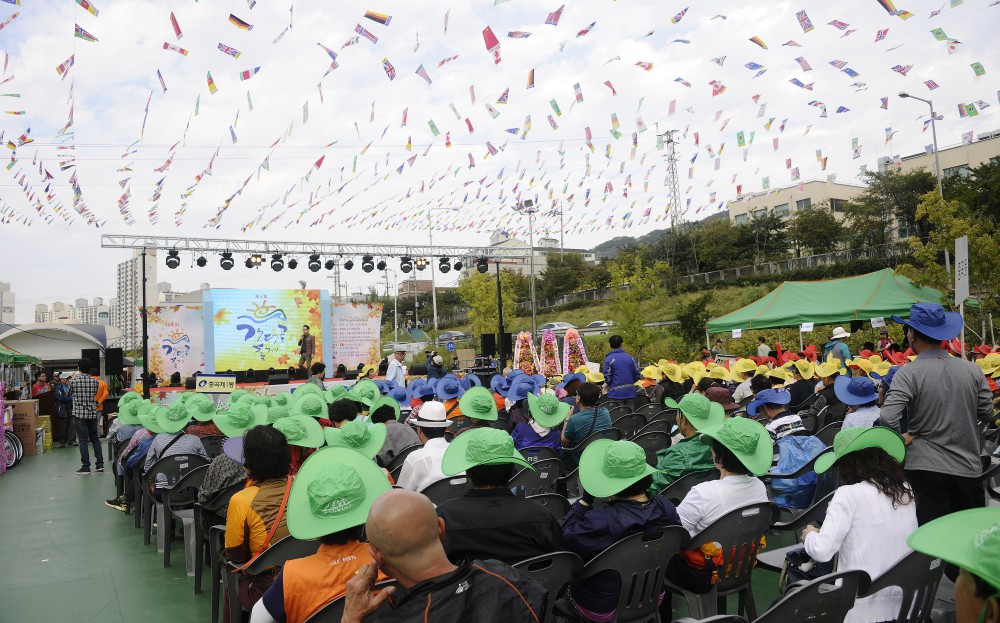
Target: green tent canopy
(876,295)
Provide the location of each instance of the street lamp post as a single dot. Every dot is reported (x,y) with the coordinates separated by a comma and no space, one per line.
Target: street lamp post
(937,159)
(528,207)
(395,303)
(430,236)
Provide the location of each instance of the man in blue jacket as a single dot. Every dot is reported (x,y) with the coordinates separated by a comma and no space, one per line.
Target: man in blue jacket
(620,373)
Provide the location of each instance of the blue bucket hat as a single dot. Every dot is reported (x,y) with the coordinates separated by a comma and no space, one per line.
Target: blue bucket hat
(514,374)
(539,380)
(859,390)
(400,395)
(933,321)
(887,379)
(519,390)
(469,381)
(497,382)
(388,386)
(448,389)
(380,385)
(768,397)
(569,378)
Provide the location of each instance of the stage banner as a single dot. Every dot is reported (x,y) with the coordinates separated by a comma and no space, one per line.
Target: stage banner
(261,329)
(176,340)
(356,331)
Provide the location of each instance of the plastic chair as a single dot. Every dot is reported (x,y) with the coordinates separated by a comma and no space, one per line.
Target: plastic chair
(649,409)
(720,618)
(774,559)
(809,422)
(739,532)
(664,415)
(213,445)
(652,442)
(113,451)
(656,426)
(553,571)
(287,548)
(639,562)
(569,485)
(834,413)
(828,432)
(557,505)
(446,489)
(608,403)
(679,488)
(629,424)
(202,536)
(333,612)
(991,470)
(395,466)
(173,468)
(824,600)
(805,404)
(178,501)
(536,481)
(618,411)
(217,543)
(608,433)
(918,575)
(533,454)
(802,471)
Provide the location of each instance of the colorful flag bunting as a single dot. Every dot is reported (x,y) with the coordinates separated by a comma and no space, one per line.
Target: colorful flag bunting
(977,68)
(804,21)
(838,24)
(758,41)
(553,18)
(677,18)
(492,44)
(235,21)
(803,64)
(177,27)
(65,66)
(644,65)
(389,69)
(211,84)
(80,33)
(423,73)
(939,34)
(518,34)
(162,83)
(586,30)
(248,73)
(447,60)
(880,35)
(931,85)
(88,7)
(364,33)
(225,49)
(378,17)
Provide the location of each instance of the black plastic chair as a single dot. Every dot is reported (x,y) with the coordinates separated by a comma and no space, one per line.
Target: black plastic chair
(809,466)
(217,543)
(557,505)
(991,470)
(721,618)
(809,422)
(395,466)
(569,485)
(178,501)
(202,532)
(173,468)
(649,410)
(828,432)
(739,532)
(629,424)
(533,454)
(541,479)
(618,412)
(608,433)
(446,489)
(333,612)
(213,445)
(115,449)
(824,600)
(652,442)
(663,415)
(918,575)
(553,571)
(679,488)
(774,559)
(639,562)
(834,413)
(287,548)
(656,426)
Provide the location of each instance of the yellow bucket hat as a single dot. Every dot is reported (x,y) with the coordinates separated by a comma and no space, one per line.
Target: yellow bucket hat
(805,368)
(711,365)
(670,370)
(742,366)
(763,370)
(779,373)
(875,359)
(865,365)
(652,372)
(719,373)
(826,369)
(989,364)
(881,369)
(595,377)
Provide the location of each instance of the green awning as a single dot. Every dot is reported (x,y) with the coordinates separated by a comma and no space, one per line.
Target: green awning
(876,295)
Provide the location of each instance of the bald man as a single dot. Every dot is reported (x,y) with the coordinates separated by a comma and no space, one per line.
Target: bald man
(431,588)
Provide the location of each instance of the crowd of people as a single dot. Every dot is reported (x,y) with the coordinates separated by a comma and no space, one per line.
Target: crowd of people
(315,464)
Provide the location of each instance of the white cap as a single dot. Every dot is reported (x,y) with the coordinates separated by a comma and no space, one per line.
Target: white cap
(432,415)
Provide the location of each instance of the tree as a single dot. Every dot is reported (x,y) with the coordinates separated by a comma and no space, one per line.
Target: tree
(562,275)
(692,318)
(769,236)
(717,242)
(632,283)
(979,191)
(889,195)
(814,230)
(479,291)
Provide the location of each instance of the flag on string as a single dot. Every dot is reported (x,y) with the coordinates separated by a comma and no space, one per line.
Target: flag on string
(329,52)
(644,65)
(803,63)
(162,83)
(931,85)
(492,44)
(804,21)
(174,48)
(608,84)
(63,68)
(80,33)
(211,84)
(967,138)
(446,60)
(378,17)
(518,34)
(885,103)
(586,30)
(364,33)
(758,41)
(531,79)
(939,34)
(677,18)
(225,49)
(87,6)
(389,69)
(235,21)
(880,35)
(839,25)
(177,27)
(901,70)
(977,68)
(423,73)
(553,18)
(248,73)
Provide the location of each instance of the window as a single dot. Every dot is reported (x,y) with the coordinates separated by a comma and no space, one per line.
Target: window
(741,219)
(803,204)
(838,205)
(781,210)
(761,213)
(961,170)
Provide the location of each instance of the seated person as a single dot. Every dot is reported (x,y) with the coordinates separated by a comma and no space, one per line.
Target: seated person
(489,522)
(316,378)
(224,472)
(759,383)
(616,470)
(521,386)
(742,371)
(545,427)
(253,511)
(172,441)
(589,420)
(859,394)
(827,373)
(742,449)
(803,386)
(771,408)
(423,467)
(870,516)
(695,413)
(431,588)
(341,411)
(478,406)
(305,585)
(398,436)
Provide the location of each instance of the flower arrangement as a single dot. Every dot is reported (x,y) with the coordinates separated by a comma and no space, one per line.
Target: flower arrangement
(551,363)
(525,358)
(574,352)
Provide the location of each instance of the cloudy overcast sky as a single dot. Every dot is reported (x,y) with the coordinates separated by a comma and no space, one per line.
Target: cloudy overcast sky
(378,177)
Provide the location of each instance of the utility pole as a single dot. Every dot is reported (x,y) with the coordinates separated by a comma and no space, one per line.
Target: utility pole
(501,356)
(145,332)
(671,181)
(528,207)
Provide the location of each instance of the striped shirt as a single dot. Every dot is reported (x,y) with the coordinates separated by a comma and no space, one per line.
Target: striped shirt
(187,444)
(84,389)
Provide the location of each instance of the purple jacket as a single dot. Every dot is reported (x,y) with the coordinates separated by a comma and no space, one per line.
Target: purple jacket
(620,373)
(526,437)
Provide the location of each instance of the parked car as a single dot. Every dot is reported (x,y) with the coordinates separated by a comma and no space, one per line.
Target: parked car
(556,326)
(600,324)
(453,336)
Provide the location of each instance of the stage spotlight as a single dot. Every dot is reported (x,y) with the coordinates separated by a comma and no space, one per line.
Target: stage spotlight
(406,264)
(367,263)
(444,266)
(458,265)
(173,258)
(349,264)
(227,261)
(293,264)
(256,259)
(381,265)
(277,263)
(421,263)
(201,261)
(330,264)
(314,264)
(248,263)
(482,265)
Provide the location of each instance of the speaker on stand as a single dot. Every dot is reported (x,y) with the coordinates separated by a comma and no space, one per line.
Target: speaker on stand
(489,344)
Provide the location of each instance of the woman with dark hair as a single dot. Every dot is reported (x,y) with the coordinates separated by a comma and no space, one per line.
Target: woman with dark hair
(705,384)
(256,515)
(870,516)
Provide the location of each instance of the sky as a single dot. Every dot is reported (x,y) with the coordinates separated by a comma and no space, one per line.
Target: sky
(303,150)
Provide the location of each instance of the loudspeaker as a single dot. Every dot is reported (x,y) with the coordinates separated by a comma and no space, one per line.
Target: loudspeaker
(241,377)
(301,374)
(351,375)
(507,340)
(418,370)
(189,382)
(489,344)
(175,379)
(93,355)
(114,361)
(858,325)
(277,379)
(485,377)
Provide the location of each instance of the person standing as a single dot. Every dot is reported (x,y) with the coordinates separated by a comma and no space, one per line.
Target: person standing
(396,371)
(307,348)
(763,350)
(837,347)
(64,411)
(620,372)
(946,398)
(41,385)
(84,389)
(719,349)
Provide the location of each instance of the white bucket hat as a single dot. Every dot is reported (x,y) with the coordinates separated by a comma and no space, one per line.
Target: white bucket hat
(838,333)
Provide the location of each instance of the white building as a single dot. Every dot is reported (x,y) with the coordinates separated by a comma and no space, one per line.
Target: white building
(129,299)
(167,294)
(81,312)
(544,247)
(6,303)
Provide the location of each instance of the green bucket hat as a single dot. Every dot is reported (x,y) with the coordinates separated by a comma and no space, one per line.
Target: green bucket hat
(183,397)
(238,419)
(276,412)
(128,397)
(200,407)
(366,439)
(282,399)
(249,399)
(312,405)
(386,401)
(128,413)
(480,446)
(364,391)
(699,410)
(547,410)
(301,430)
(861,437)
(306,389)
(478,404)
(235,396)
(334,394)
(174,418)
(333,491)
(146,413)
(608,467)
(748,440)
(969,539)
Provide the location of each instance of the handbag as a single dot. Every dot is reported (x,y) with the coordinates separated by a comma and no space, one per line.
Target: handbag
(274,528)
(799,567)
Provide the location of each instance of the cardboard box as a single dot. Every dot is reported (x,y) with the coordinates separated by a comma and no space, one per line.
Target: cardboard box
(24,420)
